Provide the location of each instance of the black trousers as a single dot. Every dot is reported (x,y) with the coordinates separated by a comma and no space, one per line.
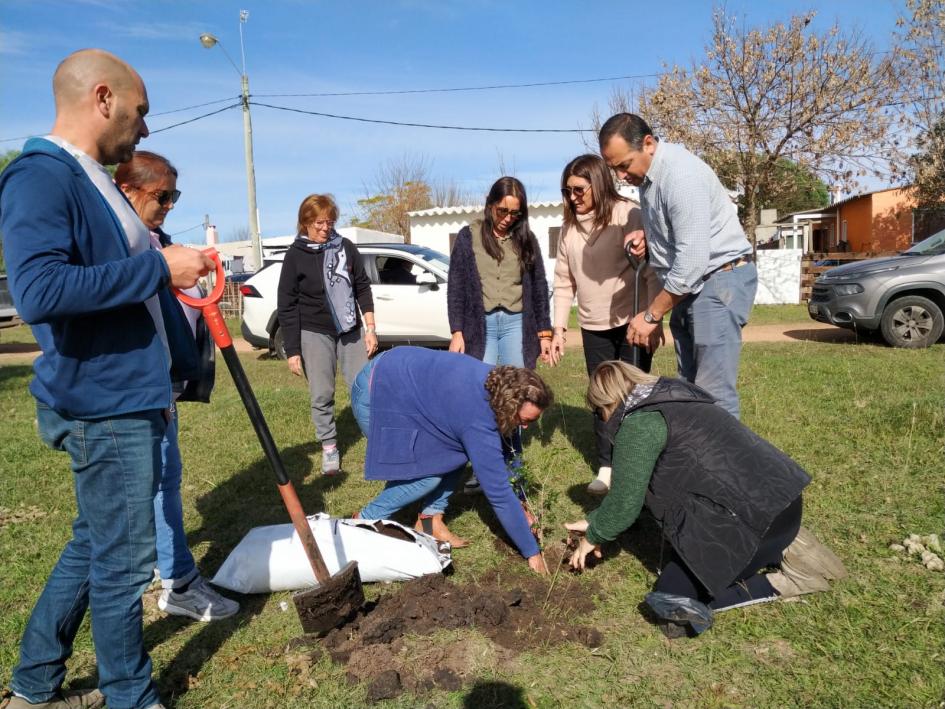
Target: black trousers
(602,346)
(749,585)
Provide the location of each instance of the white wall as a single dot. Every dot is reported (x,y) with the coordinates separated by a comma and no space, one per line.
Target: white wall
(779,276)
(432,227)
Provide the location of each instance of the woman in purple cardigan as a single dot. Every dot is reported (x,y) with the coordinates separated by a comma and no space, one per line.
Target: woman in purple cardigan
(427,413)
(497,295)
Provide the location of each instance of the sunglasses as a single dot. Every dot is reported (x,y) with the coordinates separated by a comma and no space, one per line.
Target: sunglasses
(575,192)
(502,213)
(162,197)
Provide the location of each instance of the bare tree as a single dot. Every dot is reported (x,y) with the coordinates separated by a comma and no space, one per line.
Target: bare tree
(919,52)
(823,101)
(401,186)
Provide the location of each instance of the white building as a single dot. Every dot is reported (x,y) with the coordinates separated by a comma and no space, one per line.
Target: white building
(437,228)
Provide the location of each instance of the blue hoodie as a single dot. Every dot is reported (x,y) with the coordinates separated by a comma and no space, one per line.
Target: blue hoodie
(430,414)
(75,282)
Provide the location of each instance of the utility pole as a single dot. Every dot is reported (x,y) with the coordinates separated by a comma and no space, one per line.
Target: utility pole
(208,41)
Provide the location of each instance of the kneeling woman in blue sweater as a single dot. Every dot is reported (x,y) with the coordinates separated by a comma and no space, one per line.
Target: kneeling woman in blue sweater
(728,502)
(426,414)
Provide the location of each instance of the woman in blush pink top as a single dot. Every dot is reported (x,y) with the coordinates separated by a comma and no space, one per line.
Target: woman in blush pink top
(591,265)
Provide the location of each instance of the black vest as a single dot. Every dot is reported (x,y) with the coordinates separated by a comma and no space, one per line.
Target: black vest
(717,485)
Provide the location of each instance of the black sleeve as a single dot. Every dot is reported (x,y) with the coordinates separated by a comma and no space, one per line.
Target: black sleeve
(360,280)
(288,306)
(455,290)
(540,290)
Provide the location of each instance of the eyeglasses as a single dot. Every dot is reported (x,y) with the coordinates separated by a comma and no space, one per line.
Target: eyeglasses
(162,197)
(502,213)
(323,223)
(575,192)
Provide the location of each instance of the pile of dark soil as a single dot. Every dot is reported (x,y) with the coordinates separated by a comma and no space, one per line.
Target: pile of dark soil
(384,645)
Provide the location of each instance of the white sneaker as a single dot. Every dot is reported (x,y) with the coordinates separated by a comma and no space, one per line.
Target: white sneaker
(199,602)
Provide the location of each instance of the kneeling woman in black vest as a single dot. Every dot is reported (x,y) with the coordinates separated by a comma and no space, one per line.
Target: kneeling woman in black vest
(728,502)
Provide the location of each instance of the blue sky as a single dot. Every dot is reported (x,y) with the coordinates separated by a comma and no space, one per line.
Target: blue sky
(315,47)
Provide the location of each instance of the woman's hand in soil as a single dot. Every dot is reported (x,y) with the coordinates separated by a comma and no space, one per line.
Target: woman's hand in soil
(537,564)
(579,555)
(295,365)
(457,343)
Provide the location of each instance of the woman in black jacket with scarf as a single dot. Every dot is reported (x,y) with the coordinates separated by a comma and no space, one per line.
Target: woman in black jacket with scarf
(322,287)
(497,294)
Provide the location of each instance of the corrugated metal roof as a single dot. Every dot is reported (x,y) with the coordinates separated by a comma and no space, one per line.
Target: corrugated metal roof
(471,209)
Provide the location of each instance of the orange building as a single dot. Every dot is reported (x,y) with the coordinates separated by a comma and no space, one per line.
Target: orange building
(878,221)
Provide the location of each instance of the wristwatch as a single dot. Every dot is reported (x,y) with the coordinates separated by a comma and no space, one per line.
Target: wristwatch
(370,329)
(648,317)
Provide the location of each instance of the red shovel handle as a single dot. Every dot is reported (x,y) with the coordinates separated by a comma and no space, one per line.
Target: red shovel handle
(208,305)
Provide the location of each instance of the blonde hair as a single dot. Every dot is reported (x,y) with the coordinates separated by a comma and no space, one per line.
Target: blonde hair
(315,206)
(611,383)
(509,388)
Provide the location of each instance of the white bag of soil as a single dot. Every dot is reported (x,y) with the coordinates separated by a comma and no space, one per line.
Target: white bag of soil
(272,558)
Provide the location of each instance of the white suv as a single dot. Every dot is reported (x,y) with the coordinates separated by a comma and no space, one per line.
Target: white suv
(408,284)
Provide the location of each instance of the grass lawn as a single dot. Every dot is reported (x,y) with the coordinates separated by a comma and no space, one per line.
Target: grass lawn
(866,421)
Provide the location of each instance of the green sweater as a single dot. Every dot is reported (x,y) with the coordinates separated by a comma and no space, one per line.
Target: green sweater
(637,447)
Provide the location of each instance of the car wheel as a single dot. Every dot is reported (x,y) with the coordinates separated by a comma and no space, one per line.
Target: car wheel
(278,344)
(912,321)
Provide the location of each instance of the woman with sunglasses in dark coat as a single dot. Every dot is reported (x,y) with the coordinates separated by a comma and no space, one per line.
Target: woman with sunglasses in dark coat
(149,181)
(497,294)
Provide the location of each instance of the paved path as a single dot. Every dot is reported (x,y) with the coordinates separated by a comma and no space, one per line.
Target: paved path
(809,331)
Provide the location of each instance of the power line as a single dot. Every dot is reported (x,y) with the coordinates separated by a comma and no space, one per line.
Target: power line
(195,226)
(423,125)
(196,105)
(462,88)
(196,118)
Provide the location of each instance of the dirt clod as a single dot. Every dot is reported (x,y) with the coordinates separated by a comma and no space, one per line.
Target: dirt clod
(386,685)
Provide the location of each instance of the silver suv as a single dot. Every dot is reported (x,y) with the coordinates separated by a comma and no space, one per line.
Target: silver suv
(903,297)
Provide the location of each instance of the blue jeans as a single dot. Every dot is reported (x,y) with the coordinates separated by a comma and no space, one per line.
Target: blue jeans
(175,563)
(108,563)
(434,490)
(504,339)
(707,330)
(361,396)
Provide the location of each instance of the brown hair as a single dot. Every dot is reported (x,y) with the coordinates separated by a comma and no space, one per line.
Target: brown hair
(315,206)
(603,191)
(523,241)
(509,388)
(611,383)
(143,169)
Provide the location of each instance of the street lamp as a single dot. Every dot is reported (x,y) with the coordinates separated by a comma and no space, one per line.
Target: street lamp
(209,41)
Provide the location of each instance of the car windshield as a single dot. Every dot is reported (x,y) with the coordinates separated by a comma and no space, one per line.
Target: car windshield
(933,246)
(442,261)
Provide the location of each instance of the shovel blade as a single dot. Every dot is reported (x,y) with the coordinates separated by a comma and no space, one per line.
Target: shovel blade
(331,603)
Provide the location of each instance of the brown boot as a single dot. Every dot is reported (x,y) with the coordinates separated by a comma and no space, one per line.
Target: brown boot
(436,528)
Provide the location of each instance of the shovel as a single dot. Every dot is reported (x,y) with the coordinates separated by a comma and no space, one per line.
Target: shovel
(337,597)
(637,265)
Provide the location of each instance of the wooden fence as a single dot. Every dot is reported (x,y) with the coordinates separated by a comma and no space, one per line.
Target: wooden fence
(809,271)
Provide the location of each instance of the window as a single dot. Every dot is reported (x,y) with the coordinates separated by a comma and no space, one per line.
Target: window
(395,271)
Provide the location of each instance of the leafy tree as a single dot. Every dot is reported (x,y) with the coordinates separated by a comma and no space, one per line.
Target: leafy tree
(5,159)
(793,187)
(821,101)
(401,186)
(8,157)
